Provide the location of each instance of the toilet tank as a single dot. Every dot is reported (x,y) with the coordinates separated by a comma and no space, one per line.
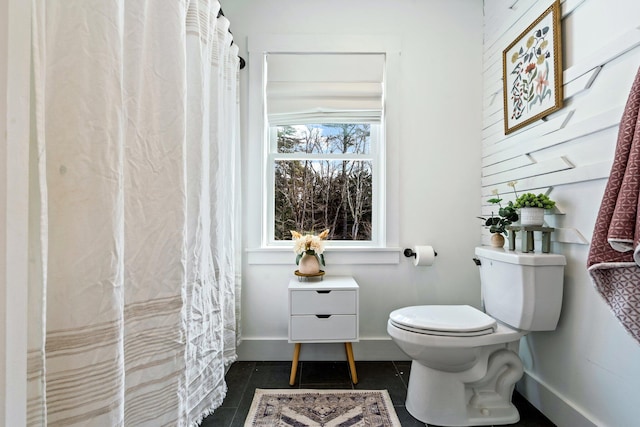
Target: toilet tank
(523,290)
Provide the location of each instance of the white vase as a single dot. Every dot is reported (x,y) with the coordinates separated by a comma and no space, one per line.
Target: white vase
(309,264)
(531,216)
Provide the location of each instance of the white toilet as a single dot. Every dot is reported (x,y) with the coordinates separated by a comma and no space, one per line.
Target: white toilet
(465,361)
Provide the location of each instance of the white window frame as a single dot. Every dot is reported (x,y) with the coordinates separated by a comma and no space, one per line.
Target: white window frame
(261,247)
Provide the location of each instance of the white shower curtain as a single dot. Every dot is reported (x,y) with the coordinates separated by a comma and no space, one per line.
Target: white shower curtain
(134,283)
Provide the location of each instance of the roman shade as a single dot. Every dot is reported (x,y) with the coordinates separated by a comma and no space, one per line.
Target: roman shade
(324,88)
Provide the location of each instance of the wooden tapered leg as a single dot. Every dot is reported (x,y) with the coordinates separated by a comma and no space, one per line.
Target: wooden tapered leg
(294,363)
(352,363)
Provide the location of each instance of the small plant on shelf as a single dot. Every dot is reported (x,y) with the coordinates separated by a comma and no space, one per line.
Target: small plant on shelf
(506,216)
(530,200)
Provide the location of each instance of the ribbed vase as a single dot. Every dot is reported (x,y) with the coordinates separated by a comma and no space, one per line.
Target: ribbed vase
(531,216)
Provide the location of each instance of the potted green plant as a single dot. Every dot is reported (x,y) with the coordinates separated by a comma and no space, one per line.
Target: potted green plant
(532,207)
(498,224)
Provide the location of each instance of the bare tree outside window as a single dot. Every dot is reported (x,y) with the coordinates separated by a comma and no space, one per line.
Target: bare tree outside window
(326,182)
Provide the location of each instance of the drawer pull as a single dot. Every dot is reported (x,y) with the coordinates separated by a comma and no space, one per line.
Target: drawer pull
(323,316)
(323,292)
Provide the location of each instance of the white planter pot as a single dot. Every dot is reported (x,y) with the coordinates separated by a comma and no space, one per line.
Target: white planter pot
(531,216)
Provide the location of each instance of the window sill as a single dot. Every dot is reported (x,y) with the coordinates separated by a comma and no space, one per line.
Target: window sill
(334,256)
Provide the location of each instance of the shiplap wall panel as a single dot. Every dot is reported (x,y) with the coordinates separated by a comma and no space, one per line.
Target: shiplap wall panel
(575,80)
(569,235)
(571,88)
(505,23)
(601,49)
(499,142)
(580,84)
(518,162)
(494,104)
(495,130)
(528,171)
(498,26)
(495,116)
(585,127)
(496,42)
(492,55)
(568,6)
(494,109)
(599,145)
(596,170)
(545,153)
(616,47)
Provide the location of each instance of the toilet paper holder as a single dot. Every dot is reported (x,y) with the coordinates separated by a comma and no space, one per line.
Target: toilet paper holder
(410,253)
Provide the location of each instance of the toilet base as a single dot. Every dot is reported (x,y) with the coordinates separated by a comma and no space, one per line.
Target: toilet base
(478,396)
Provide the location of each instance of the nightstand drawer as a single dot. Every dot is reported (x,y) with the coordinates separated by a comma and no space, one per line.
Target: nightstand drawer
(333,328)
(323,302)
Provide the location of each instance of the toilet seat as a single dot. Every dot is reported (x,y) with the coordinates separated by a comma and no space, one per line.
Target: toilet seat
(444,320)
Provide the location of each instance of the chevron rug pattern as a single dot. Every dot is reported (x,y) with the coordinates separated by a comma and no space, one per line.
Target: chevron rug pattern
(321,408)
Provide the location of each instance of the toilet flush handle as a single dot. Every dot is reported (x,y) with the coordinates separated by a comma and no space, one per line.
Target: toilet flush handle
(477,261)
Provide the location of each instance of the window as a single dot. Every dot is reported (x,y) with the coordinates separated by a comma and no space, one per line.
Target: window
(324,167)
(323,178)
(310,86)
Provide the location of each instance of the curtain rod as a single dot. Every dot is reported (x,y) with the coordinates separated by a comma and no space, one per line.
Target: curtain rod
(242,61)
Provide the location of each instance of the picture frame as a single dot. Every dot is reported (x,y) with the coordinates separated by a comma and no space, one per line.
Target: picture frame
(532,72)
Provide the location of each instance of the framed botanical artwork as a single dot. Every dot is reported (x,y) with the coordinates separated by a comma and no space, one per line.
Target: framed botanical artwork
(532,72)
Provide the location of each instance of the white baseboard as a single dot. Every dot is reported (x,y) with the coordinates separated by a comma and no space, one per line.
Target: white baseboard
(253,349)
(554,406)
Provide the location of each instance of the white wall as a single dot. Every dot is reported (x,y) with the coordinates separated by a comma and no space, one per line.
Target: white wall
(3,198)
(14,178)
(586,372)
(434,159)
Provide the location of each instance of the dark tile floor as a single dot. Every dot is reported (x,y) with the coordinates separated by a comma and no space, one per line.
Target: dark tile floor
(244,377)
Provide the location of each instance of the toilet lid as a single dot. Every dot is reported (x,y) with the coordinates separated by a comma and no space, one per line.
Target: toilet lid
(450,320)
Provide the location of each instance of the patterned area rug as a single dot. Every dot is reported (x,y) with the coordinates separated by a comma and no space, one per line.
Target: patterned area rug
(322,408)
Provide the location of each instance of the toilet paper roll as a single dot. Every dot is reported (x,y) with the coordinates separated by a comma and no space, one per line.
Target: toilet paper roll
(425,255)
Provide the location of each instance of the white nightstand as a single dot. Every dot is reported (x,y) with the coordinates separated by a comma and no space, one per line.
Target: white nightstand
(322,312)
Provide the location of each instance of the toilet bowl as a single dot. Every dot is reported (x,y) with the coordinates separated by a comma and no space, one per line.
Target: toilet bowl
(449,370)
(447,348)
(465,361)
